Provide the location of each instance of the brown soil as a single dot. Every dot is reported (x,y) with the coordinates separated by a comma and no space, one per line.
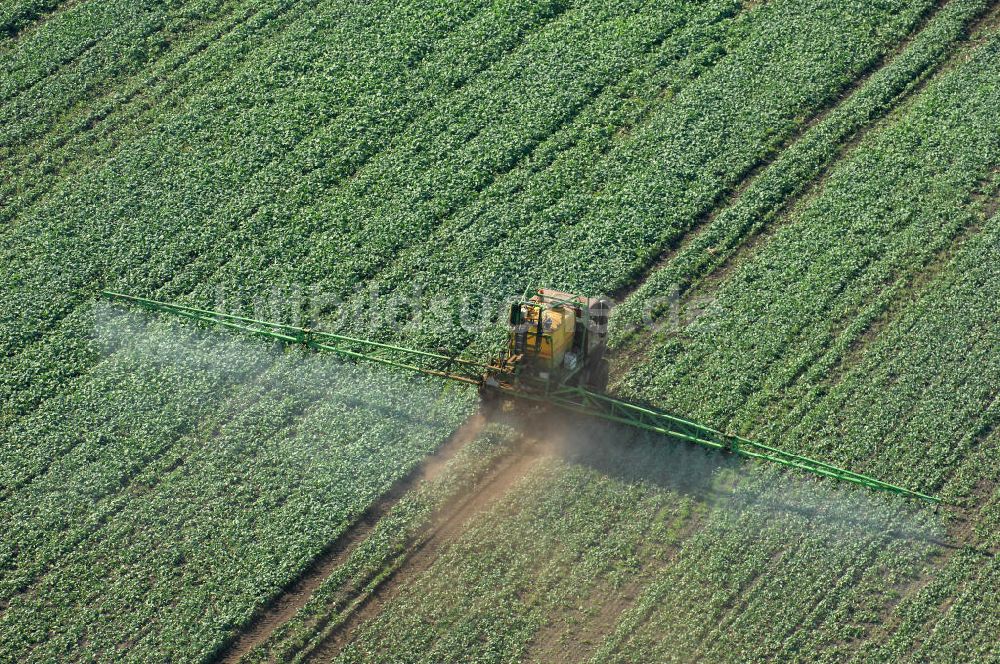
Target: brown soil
(450,521)
(284,607)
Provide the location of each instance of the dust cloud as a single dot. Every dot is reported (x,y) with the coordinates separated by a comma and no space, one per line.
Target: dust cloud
(736,490)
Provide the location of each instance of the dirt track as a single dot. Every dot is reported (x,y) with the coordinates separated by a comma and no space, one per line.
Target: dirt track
(284,607)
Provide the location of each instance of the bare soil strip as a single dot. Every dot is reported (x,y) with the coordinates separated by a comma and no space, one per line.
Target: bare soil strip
(285,605)
(450,521)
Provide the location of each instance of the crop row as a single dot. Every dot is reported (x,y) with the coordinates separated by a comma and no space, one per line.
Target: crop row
(50,455)
(78,34)
(616,213)
(94,126)
(19,14)
(138,37)
(885,589)
(261,72)
(718,597)
(784,566)
(161,185)
(266,115)
(921,411)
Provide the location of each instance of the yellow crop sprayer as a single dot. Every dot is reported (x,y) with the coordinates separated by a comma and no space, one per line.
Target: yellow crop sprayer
(555,355)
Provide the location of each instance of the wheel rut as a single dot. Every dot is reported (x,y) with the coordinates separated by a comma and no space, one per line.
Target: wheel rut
(449,523)
(287,603)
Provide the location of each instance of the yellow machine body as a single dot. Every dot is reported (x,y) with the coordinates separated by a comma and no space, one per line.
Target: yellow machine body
(558,326)
(556,339)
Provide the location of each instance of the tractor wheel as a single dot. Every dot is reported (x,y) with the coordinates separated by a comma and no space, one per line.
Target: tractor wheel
(489,400)
(597,377)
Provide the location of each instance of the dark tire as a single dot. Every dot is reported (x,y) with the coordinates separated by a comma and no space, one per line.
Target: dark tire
(489,400)
(597,377)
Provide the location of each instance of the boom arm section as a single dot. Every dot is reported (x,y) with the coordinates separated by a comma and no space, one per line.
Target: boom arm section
(583,401)
(568,397)
(425,362)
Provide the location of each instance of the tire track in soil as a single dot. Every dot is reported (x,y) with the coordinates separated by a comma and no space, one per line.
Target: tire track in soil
(899,106)
(286,603)
(922,279)
(909,286)
(450,520)
(631,351)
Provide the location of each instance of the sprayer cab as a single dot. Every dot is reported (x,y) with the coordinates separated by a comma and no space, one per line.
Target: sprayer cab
(554,339)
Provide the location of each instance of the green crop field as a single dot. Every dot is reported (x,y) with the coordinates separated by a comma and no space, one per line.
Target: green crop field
(792,203)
